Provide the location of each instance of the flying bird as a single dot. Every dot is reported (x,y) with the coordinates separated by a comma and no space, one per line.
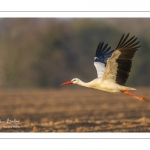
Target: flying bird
(113,67)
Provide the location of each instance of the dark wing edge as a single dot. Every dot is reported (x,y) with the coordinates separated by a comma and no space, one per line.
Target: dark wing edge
(127,47)
(103,52)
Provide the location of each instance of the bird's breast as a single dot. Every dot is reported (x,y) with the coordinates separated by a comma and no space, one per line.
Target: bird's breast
(106,86)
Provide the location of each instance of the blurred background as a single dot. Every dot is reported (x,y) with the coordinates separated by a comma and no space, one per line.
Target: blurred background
(44,52)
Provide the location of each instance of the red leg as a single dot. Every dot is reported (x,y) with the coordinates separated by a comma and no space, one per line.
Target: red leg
(132,95)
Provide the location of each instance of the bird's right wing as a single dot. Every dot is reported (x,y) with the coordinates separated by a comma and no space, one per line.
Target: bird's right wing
(119,64)
(101,56)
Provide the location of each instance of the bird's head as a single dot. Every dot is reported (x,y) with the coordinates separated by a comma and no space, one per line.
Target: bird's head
(73,81)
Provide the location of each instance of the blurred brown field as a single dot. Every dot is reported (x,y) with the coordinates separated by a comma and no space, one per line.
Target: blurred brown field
(73,110)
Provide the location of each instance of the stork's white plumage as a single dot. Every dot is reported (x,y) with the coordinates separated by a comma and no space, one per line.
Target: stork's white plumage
(113,67)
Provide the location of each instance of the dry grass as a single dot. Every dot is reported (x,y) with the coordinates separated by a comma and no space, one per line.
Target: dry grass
(73,110)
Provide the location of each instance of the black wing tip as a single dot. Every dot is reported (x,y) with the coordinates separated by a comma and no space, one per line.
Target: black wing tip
(103,52)
(126,41)
(102,49)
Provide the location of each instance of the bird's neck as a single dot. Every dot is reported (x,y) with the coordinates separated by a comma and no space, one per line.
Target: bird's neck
(85,84)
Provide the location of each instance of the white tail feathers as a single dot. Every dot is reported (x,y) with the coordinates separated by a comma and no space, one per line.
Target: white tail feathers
(126,88)
(129,88)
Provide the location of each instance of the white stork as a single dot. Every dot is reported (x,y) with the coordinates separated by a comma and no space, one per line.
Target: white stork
(113,67)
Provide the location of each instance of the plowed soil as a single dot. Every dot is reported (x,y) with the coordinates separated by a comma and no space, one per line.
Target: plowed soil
(73,110)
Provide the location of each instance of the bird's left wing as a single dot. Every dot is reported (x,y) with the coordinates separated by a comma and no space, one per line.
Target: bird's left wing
(103,52)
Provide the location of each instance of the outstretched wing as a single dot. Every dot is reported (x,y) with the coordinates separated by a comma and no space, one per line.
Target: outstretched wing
(119,64)
(101,56)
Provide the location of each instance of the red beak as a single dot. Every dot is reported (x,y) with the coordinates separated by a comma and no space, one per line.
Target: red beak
(66,83)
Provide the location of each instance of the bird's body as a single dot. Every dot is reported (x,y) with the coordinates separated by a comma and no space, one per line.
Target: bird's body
(113,67)
(106,85)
